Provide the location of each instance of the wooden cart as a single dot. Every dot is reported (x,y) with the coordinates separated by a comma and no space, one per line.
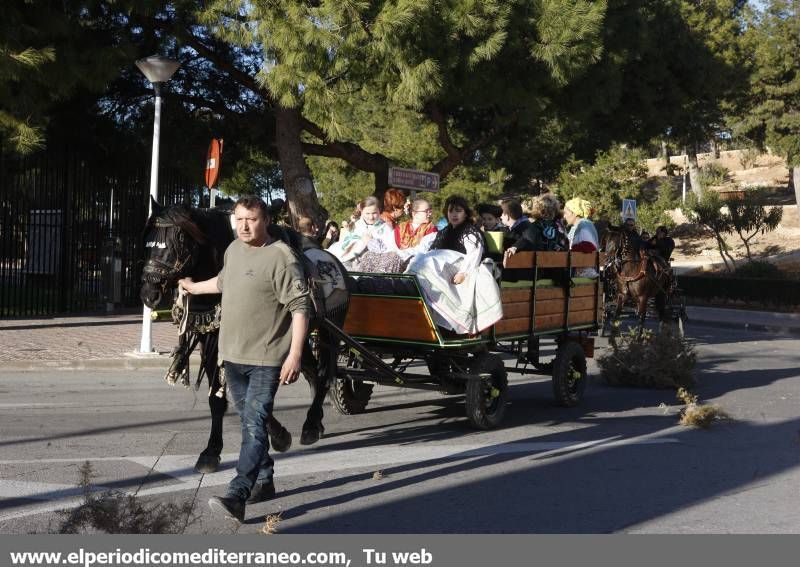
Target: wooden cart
(389,326)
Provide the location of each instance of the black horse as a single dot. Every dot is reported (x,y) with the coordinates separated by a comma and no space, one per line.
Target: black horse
(182,241)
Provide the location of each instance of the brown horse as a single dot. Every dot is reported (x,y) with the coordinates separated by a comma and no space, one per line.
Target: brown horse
(631,274)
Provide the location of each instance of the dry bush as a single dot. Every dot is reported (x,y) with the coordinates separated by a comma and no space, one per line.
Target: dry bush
(652,360)
(115,512)
(271,524)
(696,414)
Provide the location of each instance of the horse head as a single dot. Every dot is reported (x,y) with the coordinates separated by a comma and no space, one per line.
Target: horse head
(172,241)
(620,244)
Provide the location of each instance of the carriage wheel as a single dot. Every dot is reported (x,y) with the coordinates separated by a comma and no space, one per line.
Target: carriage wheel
(569,374)
(350,396)
(486,398)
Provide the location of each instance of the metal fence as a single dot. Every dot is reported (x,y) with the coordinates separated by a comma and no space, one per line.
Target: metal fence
(70,232)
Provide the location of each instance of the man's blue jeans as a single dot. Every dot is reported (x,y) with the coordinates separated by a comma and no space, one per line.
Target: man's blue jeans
(253,390)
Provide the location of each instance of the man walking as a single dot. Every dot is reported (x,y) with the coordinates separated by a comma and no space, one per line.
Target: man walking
(266,307)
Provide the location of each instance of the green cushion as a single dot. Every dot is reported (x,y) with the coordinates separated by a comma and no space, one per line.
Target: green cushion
(544,282)
(522,284)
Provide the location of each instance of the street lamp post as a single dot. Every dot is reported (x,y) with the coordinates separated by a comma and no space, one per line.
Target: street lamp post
(158,71)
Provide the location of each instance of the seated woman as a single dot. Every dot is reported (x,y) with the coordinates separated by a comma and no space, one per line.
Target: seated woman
(369,227)
(543,234)
(490,218)
(409,235)
(460,290)
(394,201)
(582,234)
(391,255)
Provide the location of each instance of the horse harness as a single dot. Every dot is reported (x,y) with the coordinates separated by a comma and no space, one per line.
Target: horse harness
(192,327)
(158,272)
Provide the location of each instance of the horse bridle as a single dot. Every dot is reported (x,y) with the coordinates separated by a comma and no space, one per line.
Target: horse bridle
(161,273)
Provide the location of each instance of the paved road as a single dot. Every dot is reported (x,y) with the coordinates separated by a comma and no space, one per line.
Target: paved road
(620,463)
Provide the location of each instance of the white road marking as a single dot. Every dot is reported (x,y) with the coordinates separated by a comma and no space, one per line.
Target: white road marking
(38,405)
(181,467)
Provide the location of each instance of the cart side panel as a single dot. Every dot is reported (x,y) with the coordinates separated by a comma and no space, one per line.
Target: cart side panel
(551,309)
(402,318)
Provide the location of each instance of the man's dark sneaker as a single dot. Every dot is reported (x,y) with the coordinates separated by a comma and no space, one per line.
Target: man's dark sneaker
(261,492)
(232,508)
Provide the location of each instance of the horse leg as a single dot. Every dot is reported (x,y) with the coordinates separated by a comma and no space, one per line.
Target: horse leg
(641,312)
(320,371)
(208,461)
(279,437)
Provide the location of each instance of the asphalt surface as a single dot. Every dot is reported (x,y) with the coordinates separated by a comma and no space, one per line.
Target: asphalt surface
(411,463)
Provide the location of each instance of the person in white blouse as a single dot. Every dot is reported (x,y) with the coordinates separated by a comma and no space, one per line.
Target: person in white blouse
(459,288)
(368,227)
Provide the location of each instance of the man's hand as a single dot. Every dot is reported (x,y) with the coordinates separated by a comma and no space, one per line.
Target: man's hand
(459,278)
(198,288)
(186,284)
(290,371)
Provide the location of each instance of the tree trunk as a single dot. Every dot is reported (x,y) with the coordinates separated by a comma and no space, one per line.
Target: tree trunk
(665,154)
(714,148)
(300,193)
(382,181)
(694,173)
(794,183)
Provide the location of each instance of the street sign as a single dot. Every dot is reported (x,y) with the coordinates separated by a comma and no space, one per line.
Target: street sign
(413,179)
(212,163)
(629,209)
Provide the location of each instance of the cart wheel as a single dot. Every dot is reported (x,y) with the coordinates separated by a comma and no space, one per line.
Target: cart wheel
(569,374)
(350,396)
(486,399)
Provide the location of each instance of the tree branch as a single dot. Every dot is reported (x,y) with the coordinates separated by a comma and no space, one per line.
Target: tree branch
(352,153)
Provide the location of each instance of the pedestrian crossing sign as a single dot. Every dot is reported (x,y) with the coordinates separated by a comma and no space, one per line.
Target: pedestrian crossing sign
(628,209)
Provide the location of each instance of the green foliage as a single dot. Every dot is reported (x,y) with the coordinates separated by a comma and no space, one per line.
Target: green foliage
(713,174)
(746,216)
(254,174)
(339,186)
(653,214)
(477,184)
(652,360)
(43,62)
(770,113)
(706,211)
(749,217)
(617,174)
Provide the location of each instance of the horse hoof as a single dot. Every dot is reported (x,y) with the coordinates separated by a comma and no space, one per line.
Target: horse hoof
(207,463)
(311,435)
(281,441)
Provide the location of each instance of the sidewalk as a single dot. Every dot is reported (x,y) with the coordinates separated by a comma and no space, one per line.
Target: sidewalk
(109,341)
(81,342)
(743,319)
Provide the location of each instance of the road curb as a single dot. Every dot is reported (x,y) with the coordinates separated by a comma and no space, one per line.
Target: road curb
(121,363)
(757,327)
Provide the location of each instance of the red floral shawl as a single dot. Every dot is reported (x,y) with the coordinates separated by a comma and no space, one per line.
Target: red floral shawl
(406,237)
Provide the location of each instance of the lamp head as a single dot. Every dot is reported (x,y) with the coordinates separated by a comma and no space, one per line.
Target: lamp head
(157,68)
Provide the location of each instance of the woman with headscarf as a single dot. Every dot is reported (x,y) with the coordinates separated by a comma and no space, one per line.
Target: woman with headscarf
(582,233)
(461,291)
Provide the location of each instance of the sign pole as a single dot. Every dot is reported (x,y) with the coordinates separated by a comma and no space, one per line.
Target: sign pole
(212,169)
